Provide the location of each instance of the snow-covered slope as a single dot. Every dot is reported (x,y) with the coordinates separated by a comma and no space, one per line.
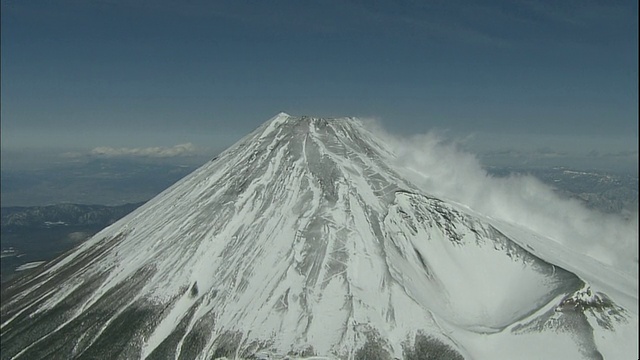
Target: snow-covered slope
(301,240)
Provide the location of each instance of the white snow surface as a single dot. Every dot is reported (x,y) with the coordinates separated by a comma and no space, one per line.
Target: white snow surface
(29,265)
(302,235)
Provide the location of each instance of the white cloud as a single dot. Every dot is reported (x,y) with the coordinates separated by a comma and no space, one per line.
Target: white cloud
(156,152)
(442,169)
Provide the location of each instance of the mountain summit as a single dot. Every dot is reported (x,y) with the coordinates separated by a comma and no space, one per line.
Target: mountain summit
(303,240)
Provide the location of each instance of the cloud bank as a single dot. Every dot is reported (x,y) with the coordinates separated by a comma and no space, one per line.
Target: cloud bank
(439,167)
(154,152)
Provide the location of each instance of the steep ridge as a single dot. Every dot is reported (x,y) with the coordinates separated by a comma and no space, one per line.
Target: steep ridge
(301,239)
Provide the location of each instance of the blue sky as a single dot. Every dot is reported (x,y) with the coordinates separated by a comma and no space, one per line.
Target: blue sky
(558,76)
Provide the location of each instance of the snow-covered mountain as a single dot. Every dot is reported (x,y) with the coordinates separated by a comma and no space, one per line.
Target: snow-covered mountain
(302,240)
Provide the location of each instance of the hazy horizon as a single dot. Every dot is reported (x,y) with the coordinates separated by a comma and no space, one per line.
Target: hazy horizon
(534,79)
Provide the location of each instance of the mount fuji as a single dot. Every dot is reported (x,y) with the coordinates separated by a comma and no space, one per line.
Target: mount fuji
(303,240)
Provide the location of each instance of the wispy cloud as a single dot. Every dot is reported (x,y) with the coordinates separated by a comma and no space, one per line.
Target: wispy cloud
(442,169)
(155,152)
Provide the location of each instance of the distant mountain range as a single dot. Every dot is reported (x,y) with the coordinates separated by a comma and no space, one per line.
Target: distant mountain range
(40,233)
(64,215)
(97,181)
(604,191)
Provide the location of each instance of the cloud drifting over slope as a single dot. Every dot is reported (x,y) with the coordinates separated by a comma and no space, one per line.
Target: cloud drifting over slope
(440,167)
